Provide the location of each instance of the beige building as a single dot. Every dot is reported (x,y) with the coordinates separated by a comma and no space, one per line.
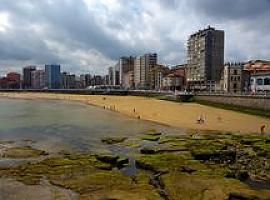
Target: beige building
(173,82)
(137,72)
(235,79)
(157,73)
(143,67)
(205,57)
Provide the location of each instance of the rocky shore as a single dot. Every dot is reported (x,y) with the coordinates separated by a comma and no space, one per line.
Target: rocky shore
(197,165)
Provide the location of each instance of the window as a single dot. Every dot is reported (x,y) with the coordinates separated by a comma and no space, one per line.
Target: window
(267,81)
(235,72)
(234,85)
(259,81)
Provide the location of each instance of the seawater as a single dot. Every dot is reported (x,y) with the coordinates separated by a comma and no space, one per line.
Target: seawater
(55,124)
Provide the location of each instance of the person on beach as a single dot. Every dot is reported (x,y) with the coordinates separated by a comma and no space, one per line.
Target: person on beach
(134,110)
(262,129)
(199,119)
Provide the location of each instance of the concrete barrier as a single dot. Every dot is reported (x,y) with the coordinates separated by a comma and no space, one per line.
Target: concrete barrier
(253,102)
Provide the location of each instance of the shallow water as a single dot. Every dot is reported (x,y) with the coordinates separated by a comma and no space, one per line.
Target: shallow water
(59,125)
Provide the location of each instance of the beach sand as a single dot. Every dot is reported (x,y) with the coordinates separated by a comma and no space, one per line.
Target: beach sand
(183,115)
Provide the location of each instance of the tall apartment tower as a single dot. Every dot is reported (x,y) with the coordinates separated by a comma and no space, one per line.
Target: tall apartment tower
(142,70)
(111,75)
(137,72)
(52,76)
(27,79)
(205,56)
(126,67)
(116,75)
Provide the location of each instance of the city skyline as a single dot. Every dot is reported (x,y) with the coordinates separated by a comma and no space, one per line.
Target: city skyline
(100,32)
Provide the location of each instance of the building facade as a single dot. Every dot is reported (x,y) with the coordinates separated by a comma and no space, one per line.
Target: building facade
(137,72)
(111,75)
(235,78)
(172,82)
(157,73)
(205,57)
(126,70)
(260,82)
(27,79)
(68,81)
(116,74)
(143,67)
(38,79)
(53,76)
(11,81)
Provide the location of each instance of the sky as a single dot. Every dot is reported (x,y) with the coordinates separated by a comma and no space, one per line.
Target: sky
(88,36)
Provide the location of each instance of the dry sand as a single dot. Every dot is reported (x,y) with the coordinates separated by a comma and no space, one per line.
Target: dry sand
(182,115)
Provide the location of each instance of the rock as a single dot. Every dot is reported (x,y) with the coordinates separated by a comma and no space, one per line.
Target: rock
(23,152)
(149,150)
(241,196)
(187,169)
(142,165)
(242,175)
(112,159)
(113,140)
(219,156)
(153,133)
(122,162)
(153,138)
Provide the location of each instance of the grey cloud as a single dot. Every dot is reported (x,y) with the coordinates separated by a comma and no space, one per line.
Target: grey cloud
(231,9)
(75,28)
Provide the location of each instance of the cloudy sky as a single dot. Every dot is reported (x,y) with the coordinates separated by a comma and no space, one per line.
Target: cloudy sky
(90,35)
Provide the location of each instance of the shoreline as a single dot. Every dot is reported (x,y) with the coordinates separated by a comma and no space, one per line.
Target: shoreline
(171,114)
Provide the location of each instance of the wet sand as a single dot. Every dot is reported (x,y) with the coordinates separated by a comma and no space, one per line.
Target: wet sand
(183,115)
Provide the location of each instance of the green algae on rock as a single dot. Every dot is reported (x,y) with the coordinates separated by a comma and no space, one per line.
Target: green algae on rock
(81,174)
(22,152)
(113,140)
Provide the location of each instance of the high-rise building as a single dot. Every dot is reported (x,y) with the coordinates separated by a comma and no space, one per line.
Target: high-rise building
(68,81)
(27,84)
(52,76)
(205,56)
(142,70)
(38,79)
(111,75)
(137,72)
(126,68)
(116,76)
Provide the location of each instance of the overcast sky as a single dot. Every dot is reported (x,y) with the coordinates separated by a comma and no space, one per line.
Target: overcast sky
(90,35)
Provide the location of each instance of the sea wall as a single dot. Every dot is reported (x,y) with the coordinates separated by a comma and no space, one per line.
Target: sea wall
(254,102)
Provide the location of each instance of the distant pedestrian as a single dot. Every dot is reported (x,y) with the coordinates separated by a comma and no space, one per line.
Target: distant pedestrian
(262,129)
(134,110)
(199,119)
(139,117)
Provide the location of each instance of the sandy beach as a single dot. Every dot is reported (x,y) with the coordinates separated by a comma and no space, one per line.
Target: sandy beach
(183,115)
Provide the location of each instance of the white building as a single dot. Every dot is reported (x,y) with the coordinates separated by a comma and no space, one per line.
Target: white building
(260,82)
